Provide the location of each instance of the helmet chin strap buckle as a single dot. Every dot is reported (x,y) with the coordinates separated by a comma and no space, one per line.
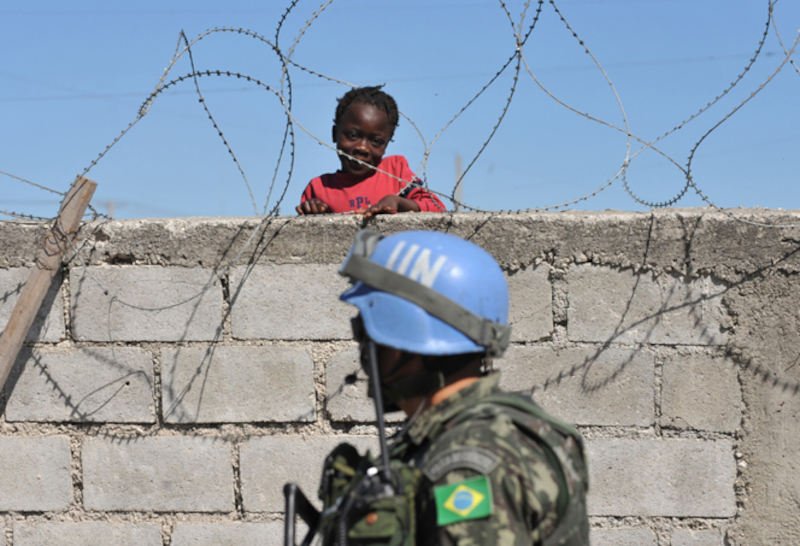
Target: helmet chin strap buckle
(495,337)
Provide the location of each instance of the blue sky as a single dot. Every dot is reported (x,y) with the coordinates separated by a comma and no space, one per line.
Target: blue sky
(75,75)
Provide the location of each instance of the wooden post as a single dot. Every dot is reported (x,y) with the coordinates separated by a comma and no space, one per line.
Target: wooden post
(47,263)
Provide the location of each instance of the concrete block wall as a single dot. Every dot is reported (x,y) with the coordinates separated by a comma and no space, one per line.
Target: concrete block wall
(181,371)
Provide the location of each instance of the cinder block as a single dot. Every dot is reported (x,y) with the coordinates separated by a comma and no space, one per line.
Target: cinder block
(620,306)
(228,534)
(669,478)
(289,302)
(530,304)
(237,384)
(46,533)
(269,462)
(158,474)
(346,386)
(37,475)
(623,537)
(584,385)
(145,303)
(701,392)
(105,384)
(49,322)
(690,537)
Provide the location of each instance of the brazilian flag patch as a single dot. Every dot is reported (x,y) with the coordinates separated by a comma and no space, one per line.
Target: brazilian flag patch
(470,499)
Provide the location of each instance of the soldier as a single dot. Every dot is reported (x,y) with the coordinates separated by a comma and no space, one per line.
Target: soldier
(472,465)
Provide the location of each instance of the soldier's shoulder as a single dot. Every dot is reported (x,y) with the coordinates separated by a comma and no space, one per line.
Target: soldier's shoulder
(528,457)
(485,439)
(493,418)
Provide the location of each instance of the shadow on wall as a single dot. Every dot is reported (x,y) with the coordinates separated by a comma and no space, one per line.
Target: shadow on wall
(122,376)
(128,370)
(682,316)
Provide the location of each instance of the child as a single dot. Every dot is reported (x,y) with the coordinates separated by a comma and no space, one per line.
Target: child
(365,121)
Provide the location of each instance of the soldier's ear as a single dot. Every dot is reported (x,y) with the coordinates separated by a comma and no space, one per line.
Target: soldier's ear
(333,132)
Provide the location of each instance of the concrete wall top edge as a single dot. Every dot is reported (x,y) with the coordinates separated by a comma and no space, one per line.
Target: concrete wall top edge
(688,241)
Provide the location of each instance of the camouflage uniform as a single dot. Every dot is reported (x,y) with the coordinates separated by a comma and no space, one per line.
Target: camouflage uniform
(464,437)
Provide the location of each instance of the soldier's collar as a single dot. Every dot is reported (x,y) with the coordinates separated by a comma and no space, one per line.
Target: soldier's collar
(428,425)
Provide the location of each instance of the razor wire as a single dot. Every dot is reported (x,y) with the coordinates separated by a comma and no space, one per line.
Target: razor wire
(284,96)
(521,33)
(282,93)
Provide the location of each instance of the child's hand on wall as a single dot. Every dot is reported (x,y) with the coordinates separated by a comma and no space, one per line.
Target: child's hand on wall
(312,206)
(389,204)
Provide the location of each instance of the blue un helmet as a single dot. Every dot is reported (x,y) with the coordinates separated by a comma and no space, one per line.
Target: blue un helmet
(428,293)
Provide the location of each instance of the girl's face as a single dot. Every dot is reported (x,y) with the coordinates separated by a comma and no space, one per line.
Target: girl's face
(363,133)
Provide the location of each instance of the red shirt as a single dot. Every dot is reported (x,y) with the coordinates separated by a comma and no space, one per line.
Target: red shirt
(343,194)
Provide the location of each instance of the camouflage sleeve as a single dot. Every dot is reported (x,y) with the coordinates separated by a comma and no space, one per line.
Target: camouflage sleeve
(522,487)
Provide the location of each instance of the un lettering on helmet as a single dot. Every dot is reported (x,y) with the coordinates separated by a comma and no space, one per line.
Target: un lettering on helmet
(422,271)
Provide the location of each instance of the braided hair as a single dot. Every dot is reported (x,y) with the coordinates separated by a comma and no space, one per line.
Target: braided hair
(373,96)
